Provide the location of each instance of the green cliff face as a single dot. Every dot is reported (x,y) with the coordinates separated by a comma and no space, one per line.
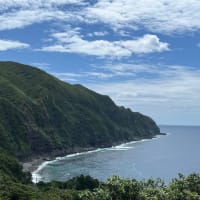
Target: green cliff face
(41,114)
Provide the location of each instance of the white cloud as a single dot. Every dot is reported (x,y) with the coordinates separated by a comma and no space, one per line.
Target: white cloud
(10,44)
(164,16)
(146,44)
(22,18)
(198,45)
(41,65)
(21,13)
(71,42)
(136,69)
(99,34)
(100,48)
(164,92)
(99,75)
(82,76)
(68,76)
(6,4)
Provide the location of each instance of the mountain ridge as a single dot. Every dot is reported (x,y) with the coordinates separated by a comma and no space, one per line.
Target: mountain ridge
(41,114)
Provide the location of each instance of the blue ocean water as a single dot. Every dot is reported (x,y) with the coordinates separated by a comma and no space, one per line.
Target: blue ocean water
(164,157)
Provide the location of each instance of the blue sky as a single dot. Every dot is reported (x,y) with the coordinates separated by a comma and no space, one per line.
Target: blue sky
(143,54)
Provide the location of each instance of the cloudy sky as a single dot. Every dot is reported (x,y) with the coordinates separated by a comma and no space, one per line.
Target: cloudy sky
(144,54)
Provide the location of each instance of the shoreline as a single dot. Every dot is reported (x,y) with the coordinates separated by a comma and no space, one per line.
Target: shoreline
(32,164)
(37,163)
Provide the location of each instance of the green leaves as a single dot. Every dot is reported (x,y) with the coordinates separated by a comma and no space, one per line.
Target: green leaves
(11,168)
(182,188)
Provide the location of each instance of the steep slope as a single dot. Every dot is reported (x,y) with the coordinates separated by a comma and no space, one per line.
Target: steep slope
(41,114)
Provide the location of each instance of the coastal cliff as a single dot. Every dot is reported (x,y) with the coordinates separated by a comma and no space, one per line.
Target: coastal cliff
(39,114)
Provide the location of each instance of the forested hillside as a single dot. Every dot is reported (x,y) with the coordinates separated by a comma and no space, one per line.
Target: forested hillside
(41,114)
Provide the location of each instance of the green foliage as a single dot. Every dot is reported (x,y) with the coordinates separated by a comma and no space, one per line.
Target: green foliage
(182,188)
(77,183)
(10,167)
(16,185)
(114,189)
(36,108)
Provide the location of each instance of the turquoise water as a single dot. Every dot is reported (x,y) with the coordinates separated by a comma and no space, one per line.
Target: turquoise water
(164,157)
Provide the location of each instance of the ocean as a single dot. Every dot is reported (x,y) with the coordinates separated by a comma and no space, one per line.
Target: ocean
(163,157)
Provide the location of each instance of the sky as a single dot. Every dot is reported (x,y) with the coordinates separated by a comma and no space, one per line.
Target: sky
(144,54)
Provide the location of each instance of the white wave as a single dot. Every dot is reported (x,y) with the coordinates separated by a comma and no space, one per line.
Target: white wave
(36,177)
(78,154)
(35,174)
(119,148)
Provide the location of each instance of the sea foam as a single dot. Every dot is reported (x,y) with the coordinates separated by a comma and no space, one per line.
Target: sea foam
(36,177)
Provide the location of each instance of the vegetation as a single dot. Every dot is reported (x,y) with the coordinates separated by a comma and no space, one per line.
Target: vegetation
(16,185)
(36,108)
(41,114)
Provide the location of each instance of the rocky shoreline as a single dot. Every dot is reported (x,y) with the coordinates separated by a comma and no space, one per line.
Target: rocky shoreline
(31,164)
